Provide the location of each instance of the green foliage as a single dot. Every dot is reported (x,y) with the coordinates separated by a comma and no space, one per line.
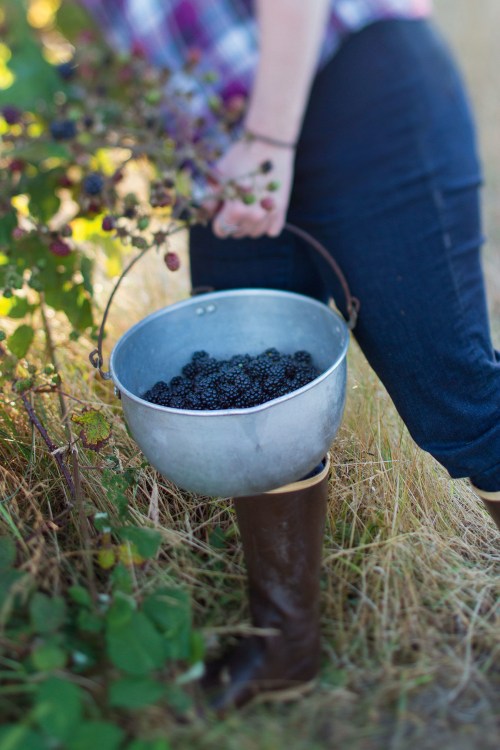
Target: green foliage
(76,663)
(129,649)
(20,341)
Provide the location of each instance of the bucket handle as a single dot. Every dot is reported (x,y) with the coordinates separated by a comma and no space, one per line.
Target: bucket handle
(352,303)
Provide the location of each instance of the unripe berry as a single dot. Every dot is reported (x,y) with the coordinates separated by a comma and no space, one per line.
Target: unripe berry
(248,199)
(59,248)
(273,186)
(172,261)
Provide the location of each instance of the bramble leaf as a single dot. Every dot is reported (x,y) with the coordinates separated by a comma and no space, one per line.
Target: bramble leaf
(146,541)
(20,341)
(96,734)
(135,646)
(132,692)
(59,707)
(48,613)
(95,431)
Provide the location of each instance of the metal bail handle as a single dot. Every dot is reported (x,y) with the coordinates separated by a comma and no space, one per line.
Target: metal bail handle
(352,303)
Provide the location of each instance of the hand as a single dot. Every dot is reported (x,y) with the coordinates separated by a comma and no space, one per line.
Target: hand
(241,164)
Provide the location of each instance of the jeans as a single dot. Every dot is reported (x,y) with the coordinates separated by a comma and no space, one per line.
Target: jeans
(387,177)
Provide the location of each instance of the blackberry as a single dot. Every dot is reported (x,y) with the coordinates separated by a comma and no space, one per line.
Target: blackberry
(67,70)
(93,183)
(62,130)
(243,381)
(189,370)
(303,357)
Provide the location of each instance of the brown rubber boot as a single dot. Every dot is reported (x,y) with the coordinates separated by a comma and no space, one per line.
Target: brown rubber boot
(282,536)
(492,503)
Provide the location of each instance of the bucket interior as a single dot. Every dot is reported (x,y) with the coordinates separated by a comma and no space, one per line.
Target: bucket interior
(225,324)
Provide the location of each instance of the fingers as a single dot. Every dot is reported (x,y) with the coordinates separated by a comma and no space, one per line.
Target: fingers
(235,219)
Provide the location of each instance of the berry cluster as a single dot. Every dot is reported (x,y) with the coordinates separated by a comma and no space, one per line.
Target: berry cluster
(237,383)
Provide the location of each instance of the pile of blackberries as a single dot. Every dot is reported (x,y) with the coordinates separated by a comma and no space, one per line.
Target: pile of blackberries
(237,383)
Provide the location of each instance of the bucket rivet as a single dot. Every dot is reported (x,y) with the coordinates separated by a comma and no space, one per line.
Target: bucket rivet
(200,311)
(211,308)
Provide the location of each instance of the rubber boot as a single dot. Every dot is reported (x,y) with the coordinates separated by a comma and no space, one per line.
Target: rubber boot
(492,503)
(282,536)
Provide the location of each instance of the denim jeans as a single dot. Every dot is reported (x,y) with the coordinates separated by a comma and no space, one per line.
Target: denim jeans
(387,177)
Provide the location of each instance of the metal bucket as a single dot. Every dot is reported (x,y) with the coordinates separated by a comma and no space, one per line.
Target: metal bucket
(234,452)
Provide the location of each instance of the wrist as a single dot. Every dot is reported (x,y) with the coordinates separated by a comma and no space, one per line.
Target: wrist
(251,135)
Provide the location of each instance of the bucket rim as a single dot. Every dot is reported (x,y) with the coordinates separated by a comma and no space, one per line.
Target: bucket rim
(207,297)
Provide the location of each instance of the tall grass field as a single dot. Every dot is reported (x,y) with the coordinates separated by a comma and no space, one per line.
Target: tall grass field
(411,567)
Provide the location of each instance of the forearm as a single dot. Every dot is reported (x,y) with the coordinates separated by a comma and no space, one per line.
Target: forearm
(291,34)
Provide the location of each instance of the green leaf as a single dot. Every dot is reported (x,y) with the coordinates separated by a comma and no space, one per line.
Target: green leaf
(72,18)
(20,307)
(7,552)
(178,699)
(147,541)
(58,707)
(43,202)
(35,79)
(21,340)
(136,647)
(170,610)
(20,737)
(80,595)
(47,613)
(48,657)
(135,693)
(95,431)
(7,223)
(121,610)
(96,734)
(37,151)
(89,622)
(86,265)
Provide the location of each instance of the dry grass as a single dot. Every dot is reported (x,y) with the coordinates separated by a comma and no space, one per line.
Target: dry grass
(411,615)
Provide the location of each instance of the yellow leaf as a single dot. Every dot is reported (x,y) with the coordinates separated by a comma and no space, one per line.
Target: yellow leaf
(128,555)
(106,558)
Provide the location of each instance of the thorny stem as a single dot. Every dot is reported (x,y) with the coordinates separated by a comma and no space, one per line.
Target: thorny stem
(50,445)
(75,479)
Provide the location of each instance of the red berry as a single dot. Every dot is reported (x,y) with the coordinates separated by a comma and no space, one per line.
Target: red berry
(65,182)
(268,203)
(17,165)
(11,115)
(172,261)
(108,224)
(60,248)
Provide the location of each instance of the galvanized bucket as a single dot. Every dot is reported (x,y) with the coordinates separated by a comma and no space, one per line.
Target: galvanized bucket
(234,452)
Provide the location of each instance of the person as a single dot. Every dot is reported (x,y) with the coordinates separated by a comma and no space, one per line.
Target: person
(360,108)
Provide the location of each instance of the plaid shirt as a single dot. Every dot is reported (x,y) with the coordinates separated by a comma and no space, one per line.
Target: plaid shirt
(224,33)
